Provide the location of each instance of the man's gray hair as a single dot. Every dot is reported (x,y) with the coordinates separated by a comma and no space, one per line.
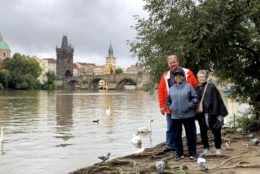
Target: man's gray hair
(173,57)
(204,72)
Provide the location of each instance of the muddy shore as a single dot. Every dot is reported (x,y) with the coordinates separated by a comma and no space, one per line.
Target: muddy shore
(239,156)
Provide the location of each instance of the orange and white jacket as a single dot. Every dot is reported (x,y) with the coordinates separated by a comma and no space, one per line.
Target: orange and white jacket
(163,87)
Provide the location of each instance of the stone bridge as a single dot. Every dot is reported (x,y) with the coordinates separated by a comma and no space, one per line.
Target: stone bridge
(114,81)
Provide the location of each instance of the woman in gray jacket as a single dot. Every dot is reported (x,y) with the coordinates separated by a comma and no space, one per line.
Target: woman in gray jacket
(181,101)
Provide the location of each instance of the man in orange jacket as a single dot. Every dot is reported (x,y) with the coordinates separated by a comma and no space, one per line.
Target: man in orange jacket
(166,82)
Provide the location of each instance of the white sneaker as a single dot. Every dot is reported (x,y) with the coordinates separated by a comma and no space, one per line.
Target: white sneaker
(218,152)
(205,152)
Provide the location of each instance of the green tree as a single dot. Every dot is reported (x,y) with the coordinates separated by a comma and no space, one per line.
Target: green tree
(222,36)
(24,72)
(119,71)
(5,77)
(50,80)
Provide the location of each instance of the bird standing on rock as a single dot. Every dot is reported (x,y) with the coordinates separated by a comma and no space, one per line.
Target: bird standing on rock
(160,166)
(255,141)
(250,136)
(240,130)
(104,158)
(203,164)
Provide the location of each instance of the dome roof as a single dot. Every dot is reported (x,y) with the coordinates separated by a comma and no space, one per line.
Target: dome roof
(3,44)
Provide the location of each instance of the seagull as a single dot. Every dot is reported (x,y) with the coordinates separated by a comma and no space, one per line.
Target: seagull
(160,166)
(145,129)
(255,141)
(95,121)
(203,164)
(136,140)
(108,111)
(104,158)
(2,135)
(240,130)
(250,136)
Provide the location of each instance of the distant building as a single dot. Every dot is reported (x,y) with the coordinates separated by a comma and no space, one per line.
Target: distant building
(44,66)
(51,64)
(134,69)
(75,70)
(4,49)
(99,70)
(64,66)
(110,62)
(85,68)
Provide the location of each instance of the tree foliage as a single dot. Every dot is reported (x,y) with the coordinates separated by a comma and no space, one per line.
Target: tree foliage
(5,77)
(219,35)
(118,71)
(49,84)
(23,72)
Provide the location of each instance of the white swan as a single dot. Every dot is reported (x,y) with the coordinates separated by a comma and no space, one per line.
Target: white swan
(2,135)
(139,150)
(108,111)
(145,129)
(136,140)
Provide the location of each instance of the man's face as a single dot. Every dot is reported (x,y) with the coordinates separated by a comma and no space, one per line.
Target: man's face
(173,64)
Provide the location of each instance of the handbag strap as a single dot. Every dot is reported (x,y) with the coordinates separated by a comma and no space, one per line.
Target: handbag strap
(202,98)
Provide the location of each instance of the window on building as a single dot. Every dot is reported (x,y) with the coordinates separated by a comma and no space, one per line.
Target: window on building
(4,54)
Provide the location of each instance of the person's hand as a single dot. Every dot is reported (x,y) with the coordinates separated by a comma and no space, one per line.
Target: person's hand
(162,111)
(220,118)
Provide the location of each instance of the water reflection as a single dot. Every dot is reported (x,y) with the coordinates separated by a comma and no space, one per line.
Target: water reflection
(2,148)
(64,116)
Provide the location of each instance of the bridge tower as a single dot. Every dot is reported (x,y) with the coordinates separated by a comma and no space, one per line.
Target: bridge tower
(64,65)
(110,61)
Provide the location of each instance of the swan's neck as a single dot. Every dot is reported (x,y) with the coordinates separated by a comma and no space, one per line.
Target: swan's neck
(150,126)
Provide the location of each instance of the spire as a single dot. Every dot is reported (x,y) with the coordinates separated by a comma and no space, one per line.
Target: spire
(64,43)
(110,50)
(1,37)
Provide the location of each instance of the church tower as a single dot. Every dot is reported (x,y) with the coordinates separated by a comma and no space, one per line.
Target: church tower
(111,60)
(4,49)
(64,64)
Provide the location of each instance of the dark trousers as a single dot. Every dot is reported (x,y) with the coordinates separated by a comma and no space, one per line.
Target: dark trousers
(204,132)
(190,129)
(169,133)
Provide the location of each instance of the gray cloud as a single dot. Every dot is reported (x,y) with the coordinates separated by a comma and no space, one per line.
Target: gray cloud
(36,27)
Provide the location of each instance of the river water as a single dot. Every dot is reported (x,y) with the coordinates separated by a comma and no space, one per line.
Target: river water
(52,131)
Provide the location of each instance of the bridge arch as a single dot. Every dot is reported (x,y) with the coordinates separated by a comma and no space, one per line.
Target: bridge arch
(72,84)
(94,83)
(125,81)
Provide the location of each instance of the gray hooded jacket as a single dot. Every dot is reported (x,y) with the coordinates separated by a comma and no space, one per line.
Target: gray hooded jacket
(182,100)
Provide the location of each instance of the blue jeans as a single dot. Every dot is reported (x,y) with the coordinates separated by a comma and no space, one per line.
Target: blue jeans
(169,133)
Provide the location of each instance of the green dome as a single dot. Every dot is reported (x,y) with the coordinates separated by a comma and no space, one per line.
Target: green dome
(3,44)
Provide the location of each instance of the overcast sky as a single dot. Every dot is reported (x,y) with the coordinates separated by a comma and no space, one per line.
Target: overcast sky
(35,27)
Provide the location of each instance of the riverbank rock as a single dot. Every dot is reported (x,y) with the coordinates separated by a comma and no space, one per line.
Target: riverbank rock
(242,158)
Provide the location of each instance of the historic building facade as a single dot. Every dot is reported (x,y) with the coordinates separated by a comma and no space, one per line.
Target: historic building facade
(4,49)
(64,64)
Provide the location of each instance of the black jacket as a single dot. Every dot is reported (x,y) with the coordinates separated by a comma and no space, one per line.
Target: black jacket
(213,103)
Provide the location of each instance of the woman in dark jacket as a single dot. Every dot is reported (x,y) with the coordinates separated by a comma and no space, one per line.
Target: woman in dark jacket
(214,111)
